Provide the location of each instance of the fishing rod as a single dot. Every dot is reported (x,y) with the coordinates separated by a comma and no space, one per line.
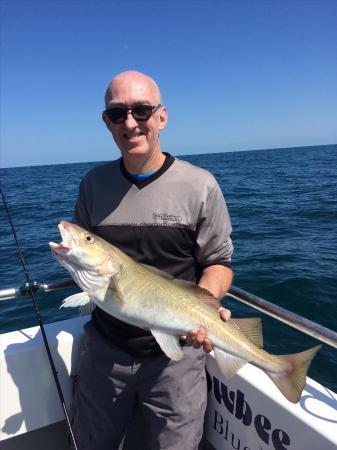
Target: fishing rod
(29,286)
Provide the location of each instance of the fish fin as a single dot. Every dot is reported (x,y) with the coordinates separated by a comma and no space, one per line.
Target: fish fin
(116,289)
(292,384)
(227,363)
(87,308)
(184,283)
(169,344)
(79,299)
(252,328)
(118,294)
(159,272)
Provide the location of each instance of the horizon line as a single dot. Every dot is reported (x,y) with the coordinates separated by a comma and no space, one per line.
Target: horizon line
(187,154)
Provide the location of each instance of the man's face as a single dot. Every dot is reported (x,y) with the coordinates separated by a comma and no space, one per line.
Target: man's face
(135,137)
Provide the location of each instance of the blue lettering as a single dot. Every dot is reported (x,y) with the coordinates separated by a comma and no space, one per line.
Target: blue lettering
(280,439)
(261,425)
(243,410)
(218,422)
(238,443)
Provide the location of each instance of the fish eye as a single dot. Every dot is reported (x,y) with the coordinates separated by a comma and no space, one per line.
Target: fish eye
(89,238)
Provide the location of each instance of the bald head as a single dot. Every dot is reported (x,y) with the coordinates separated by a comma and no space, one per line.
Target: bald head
(139,86)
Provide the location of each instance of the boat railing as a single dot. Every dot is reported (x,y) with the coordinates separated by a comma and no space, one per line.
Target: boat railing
(294,320)
(24,290)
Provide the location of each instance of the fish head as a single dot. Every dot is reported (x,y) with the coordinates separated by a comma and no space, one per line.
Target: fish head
(80,248)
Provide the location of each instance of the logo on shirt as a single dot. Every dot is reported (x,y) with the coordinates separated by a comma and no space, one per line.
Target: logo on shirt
(166,217)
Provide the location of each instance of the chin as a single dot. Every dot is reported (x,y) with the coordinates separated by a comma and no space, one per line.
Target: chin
(135,151)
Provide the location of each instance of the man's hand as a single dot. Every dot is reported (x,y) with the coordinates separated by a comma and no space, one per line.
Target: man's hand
(198,337)
(217,280)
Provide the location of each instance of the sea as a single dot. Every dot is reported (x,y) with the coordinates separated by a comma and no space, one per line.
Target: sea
(283,208)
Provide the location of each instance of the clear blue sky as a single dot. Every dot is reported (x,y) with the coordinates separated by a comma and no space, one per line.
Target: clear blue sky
(235,75)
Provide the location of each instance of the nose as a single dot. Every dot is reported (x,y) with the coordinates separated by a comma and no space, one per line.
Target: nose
(130,122)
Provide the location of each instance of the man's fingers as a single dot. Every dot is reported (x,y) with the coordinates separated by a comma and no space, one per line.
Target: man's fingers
(201,335)
(196,337)
(191,337)
(225,314)
(207,345)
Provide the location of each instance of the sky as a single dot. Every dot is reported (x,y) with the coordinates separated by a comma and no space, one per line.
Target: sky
(234,75)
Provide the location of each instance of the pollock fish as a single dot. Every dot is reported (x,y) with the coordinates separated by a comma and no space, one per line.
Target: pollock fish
(146,297)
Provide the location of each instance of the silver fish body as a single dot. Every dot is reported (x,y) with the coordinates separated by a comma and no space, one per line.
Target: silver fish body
(148,298)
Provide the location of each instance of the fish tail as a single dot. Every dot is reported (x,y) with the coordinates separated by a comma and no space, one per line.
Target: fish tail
(292,383)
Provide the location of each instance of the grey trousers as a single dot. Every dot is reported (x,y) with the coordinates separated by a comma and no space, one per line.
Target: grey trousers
(168,399)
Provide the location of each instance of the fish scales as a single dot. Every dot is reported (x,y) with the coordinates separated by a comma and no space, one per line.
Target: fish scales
(148,298)
(163,295)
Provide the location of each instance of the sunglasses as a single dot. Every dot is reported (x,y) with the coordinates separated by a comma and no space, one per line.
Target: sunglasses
(139,112)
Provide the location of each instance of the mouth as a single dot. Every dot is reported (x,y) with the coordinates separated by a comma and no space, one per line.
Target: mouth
(133,136)
(66,245)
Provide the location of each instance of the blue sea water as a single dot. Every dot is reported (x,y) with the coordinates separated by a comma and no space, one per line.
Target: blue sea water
(283,207)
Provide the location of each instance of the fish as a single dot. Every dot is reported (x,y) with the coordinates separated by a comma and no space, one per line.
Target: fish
(169,308)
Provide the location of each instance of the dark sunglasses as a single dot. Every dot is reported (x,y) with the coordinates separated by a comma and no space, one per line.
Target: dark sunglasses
(139,112)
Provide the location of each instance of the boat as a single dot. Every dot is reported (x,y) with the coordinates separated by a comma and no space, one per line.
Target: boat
(245,412)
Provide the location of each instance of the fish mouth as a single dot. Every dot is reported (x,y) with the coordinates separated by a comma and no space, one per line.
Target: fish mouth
(66,246)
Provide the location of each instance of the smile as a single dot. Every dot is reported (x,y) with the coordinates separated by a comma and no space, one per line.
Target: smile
(133,135)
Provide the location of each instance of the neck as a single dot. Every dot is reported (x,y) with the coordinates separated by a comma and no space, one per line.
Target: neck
(135,164)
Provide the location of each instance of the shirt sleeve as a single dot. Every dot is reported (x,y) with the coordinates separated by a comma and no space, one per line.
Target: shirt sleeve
(81,215)
(213,244)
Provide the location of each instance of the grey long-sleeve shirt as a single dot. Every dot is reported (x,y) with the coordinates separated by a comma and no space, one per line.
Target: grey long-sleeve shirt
(176,220)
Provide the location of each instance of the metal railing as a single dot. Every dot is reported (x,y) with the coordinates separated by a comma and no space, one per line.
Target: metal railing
(296,321)
(300,323)
(23,291)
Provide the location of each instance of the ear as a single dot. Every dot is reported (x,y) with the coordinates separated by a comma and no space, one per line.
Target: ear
(163,118)
(106,120)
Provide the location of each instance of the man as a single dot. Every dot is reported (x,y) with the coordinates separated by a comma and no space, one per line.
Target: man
(171,215)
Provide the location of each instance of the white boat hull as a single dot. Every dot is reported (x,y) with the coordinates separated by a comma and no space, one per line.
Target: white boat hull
(244,413)
(247,412)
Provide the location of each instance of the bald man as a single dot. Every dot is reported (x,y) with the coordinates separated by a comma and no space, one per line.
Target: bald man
(171,215)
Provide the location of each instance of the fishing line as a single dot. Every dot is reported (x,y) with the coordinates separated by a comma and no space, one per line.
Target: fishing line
(38,316)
